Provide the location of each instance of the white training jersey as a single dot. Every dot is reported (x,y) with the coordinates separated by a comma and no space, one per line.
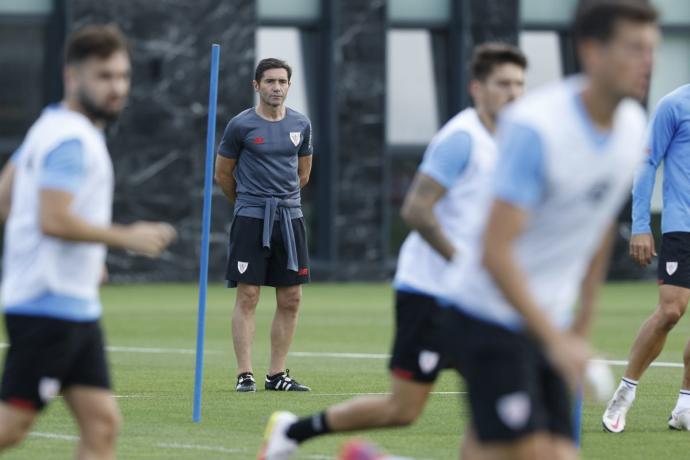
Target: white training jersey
(572,179)
(461,157)
(42,275)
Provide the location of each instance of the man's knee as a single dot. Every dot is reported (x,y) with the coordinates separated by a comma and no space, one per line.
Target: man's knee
(247,297)
(402,414)
(671,310)
(13,429)
(290,298)
(103,428)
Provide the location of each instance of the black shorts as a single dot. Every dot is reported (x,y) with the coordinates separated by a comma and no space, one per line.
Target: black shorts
(674,260)
(513,390)
(416,351)
(249,262)
(48,355)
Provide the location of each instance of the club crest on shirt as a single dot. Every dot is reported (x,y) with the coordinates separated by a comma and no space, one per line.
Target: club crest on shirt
(671,267)
(242,266)
(296,137)
(428,360)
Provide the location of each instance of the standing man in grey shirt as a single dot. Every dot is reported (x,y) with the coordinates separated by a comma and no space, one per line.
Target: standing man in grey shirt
(263,161)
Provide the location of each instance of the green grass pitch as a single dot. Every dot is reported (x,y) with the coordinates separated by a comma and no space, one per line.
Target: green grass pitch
(154,382)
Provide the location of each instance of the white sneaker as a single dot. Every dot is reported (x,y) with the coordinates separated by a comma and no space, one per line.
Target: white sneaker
(277,446)
(680,420)
(614,416)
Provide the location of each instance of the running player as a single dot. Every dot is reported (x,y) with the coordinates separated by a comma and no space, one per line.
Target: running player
(440,208)
(59,187)
(568,154)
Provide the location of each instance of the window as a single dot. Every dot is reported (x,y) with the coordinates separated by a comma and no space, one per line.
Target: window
(411,101)
(544,56)
(431,12)
(294,10)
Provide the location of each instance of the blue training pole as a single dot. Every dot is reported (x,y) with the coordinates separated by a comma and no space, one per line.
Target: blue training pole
(205,230)
(577,417)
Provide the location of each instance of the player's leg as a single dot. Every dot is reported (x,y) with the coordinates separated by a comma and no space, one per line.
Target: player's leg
(401,408)
(246,270)
(648,344)
(15,423)
(244,325)
(673,301)
(288,300)
(98,417)
(88,396)
(40,350)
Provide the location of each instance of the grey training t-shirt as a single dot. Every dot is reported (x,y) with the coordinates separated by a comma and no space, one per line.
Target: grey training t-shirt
(267,152)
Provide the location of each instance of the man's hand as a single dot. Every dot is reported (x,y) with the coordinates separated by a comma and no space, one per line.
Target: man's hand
(149,238)
(569,354)
(642,248)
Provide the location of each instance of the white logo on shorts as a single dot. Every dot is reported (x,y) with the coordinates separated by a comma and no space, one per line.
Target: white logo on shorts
(514,409)
(48,388)
(242,266)
(296,137)
(428,360)
(671,267)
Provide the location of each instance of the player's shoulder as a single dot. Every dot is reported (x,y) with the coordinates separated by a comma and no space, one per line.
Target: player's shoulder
(294,115)
(58,124)
(466,123)
(537,108)
(677,99)
(243,117)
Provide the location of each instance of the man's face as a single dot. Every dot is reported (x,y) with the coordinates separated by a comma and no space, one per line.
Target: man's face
(101,86)
(505,83)
(273,87)
(624,63)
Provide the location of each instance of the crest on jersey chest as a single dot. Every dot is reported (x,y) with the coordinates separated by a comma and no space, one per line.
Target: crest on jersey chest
(295,137)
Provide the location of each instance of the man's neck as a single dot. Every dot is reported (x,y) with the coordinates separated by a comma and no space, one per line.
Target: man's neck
(600,104)
(75,106)
(269,112)
(487,120)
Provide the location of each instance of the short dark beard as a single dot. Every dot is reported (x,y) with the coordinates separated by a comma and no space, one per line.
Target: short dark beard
(93,111)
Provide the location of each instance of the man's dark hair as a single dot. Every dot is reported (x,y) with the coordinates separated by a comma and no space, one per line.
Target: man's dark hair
(100,41)
(596,19)
(271,63)
(487,56)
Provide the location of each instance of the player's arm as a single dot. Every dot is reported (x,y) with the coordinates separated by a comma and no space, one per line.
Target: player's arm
(520,184)
(305,155)
(444,161)
(6,181)
(506,222)
(662,130)
(58,221)
(418,212)
(225,177)
(61,175)
(304,169)
(589,290)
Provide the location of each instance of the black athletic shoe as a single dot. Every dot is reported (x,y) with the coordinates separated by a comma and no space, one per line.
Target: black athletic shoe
(283,382)
(245,382)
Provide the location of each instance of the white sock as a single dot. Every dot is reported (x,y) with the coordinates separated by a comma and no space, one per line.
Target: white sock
(629,386)
(683,401)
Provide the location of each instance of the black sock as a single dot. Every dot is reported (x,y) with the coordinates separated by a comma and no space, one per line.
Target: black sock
(308,427)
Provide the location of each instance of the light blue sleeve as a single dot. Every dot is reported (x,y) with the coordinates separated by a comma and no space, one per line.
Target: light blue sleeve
(63,167)
(661,131)
(446,159)
(519,178)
